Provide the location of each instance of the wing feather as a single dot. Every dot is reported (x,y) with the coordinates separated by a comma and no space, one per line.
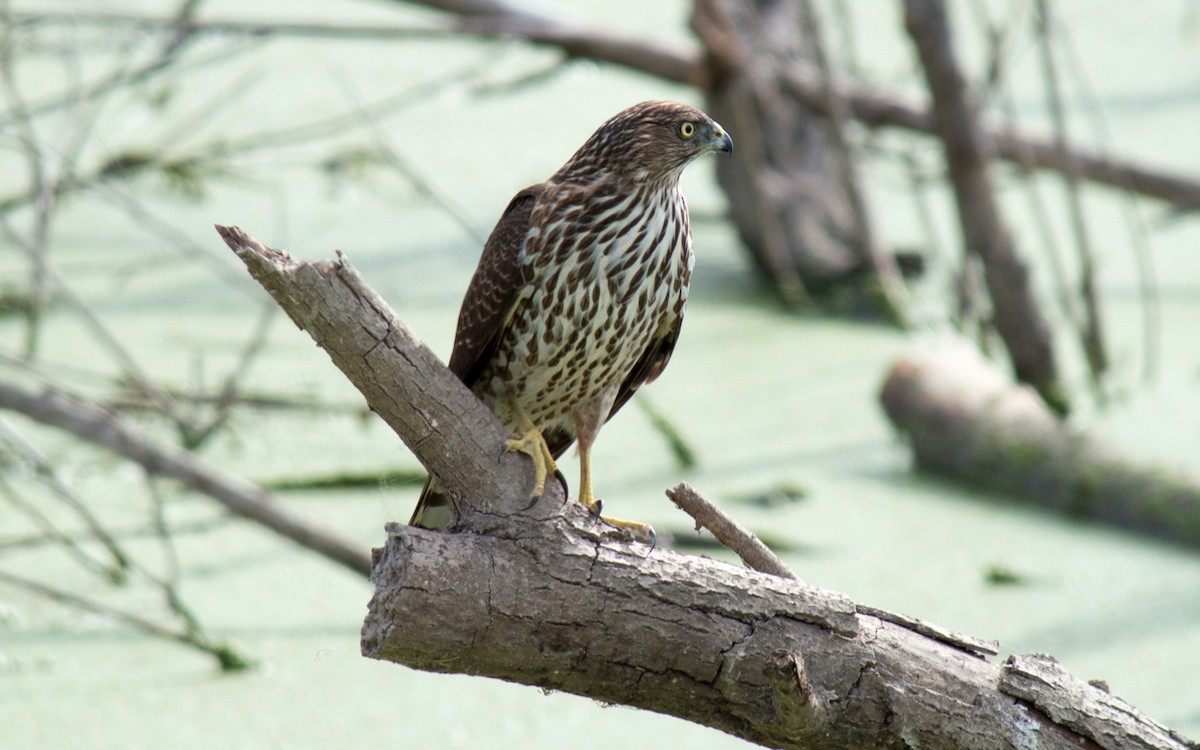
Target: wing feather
(482,320)
(488,302)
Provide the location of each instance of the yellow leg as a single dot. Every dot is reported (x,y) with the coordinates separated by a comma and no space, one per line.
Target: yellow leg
(585,480)
(643,531)
(532,444)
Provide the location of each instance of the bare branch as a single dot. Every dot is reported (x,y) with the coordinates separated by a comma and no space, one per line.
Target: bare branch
(1017,314)
(114,433)
(547,597)
(229,658)
(729,532)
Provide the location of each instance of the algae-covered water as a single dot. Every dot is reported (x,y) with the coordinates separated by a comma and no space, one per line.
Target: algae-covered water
(765,399)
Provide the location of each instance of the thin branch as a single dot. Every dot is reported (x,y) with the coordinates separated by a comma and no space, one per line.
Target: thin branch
(729,532)
(229,658)
(227,397)
(867,104)
(838,112)
(44,470)
(1094,349)
(110,431)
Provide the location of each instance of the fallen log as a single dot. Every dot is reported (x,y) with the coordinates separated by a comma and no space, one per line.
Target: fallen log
(551,596)
(966,419)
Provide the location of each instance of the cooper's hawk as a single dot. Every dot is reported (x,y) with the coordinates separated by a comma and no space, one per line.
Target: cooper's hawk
(580,292)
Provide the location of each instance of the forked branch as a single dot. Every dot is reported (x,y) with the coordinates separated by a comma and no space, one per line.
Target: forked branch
(553,598)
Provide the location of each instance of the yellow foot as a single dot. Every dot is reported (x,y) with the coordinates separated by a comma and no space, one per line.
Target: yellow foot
(643,532)
(532,444)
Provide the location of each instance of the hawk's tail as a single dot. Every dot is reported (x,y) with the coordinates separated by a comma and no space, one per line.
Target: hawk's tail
(433,509)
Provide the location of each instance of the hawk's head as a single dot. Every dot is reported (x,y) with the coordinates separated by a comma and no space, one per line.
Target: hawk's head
(650,141)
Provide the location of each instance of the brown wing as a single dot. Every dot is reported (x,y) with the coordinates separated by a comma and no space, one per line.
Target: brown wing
(493,289)
(651,364)
(481,321)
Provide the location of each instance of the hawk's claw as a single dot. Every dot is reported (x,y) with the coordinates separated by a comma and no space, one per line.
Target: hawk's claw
(562,480)
(532,502)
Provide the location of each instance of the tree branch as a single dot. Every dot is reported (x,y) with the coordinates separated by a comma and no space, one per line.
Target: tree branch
(110,431)
(867,104)
(1017,315)
(553,597)
(729,532)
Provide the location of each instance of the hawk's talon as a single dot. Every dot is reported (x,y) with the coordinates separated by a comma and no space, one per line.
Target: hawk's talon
(562,481)
(533,501)
(532,444)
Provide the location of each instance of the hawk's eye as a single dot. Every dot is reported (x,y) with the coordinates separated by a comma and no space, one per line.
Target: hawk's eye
(687,129)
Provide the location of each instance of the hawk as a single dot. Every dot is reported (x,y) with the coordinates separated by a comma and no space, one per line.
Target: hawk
(580,292)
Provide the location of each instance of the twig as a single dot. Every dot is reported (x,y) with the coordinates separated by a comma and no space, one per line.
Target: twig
(169,582)
(229,659)
(40,186)
(110,431)
(194,436)
(729,532)
(1094,349)
(1148,287)
(838,112)
(424,187)
(115,571)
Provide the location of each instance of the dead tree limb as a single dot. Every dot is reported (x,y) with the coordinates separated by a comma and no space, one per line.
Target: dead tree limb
(113,432)
(867,104)
(793,193)
(552,597)
(729,532)
(1016,313)
(966,419)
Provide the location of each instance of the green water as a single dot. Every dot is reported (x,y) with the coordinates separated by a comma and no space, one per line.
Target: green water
(764,399)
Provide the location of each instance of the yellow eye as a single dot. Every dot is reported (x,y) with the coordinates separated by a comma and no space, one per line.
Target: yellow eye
(687,129)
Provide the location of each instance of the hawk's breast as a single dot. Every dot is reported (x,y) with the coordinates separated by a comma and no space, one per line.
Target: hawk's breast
(606,275)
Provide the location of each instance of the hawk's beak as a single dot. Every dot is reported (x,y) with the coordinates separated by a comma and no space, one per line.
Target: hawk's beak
(722,141)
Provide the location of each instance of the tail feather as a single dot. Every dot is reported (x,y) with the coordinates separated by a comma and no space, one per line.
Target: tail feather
(433,509)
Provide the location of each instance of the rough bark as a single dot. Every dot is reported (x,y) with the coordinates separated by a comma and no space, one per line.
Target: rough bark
(966,419)
(551,596)
(1016,313)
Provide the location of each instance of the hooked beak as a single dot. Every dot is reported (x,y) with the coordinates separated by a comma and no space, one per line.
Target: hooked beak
(721,141)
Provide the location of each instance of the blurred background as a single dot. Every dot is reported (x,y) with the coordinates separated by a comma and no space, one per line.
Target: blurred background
(139,613)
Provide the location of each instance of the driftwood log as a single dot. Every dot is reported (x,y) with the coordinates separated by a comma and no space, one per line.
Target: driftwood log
(966,419)
(552,597)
